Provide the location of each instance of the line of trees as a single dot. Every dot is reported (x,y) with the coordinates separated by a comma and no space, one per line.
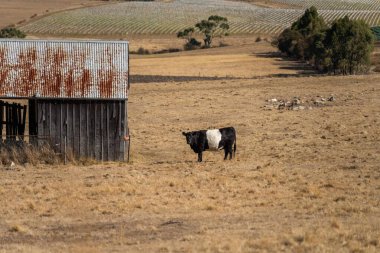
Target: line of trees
(344,47)
(214,26)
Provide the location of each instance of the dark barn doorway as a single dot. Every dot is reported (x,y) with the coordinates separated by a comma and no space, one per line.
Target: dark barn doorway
(12,122)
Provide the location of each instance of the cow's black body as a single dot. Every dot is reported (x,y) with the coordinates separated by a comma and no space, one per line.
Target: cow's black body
(198,141)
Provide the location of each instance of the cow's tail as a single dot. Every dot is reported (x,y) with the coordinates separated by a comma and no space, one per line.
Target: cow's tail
(235,147)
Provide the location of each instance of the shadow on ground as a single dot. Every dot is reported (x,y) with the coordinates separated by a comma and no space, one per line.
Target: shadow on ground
(287,63)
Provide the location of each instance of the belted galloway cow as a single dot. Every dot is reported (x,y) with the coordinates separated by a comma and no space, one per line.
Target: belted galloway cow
(213,139)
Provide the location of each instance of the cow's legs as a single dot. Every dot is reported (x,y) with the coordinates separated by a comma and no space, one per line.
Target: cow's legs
(200,157)
(230,150)
(225,152)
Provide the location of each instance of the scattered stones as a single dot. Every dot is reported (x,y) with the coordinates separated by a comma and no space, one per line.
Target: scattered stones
(172,222)
(331,99)
(297,103)
(296,108)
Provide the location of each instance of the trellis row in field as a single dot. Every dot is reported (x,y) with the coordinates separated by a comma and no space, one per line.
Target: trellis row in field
(169,18)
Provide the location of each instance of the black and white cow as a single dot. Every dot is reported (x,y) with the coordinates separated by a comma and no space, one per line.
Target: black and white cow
(213,139)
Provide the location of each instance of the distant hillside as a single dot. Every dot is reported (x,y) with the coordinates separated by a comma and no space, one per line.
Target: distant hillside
(18,12)
(125,18)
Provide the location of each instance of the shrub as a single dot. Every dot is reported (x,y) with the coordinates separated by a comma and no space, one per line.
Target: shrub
(223,44)
(142,50)
(169,50)
(11,32)
(192,44)
(376,32)
(349,44)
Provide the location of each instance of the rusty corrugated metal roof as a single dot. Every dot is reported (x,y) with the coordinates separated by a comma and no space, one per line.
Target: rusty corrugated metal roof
(64,69)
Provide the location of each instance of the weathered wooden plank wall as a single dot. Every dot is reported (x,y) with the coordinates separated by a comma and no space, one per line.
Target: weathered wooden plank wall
(92,128)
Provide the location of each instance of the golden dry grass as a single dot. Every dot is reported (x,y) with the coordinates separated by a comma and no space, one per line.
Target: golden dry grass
(245,58)
(289,189)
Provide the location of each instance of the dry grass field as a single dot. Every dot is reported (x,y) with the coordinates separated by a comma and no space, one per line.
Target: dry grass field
(302,181)
(245,59)
(14,12)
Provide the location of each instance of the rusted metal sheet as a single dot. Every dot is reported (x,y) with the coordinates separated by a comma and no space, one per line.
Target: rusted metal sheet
(64,69)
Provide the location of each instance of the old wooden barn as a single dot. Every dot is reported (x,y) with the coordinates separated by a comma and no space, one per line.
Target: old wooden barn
(71,94)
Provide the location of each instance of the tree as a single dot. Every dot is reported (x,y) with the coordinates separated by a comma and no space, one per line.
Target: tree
(187,34)
(11,32)
(297,41)
(317,50)
(287,42)
(349,44)
(210,26)
(310,23)
(313,28)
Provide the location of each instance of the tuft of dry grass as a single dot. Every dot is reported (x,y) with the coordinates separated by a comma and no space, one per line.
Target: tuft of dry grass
(27,154)
(17,228)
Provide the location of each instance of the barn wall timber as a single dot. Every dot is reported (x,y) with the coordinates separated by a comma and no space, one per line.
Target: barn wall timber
(88,128)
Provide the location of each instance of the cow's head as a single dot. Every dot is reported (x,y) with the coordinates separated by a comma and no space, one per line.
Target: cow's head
(189,137)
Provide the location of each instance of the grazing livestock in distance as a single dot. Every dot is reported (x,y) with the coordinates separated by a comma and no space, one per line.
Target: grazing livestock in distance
(214,139)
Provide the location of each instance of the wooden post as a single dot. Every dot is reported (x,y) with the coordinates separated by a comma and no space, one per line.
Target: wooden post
(107,120)
(129,145)
(7,128)
(1,120)
(23,121)
(33,123)
(101,131)
(15,121)
(88,153)
(65,150)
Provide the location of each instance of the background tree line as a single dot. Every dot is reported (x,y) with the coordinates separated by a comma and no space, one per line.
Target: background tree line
(344,47)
